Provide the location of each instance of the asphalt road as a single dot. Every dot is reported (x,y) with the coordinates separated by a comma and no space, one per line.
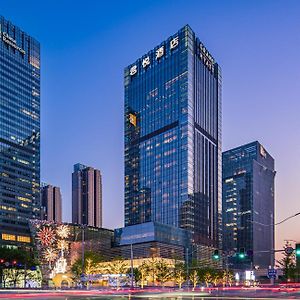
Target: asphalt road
(155,294)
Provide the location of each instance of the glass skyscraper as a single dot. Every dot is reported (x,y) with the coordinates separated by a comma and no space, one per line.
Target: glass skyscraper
(19,133)
(51,203)
(248,205)
(86,196)
(173,138)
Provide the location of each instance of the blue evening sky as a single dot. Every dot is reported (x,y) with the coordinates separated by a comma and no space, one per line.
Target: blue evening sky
(87,44)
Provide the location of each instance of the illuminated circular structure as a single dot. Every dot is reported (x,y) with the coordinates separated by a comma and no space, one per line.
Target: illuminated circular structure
(62,245)
(50,255)
(46,235)
(63,231)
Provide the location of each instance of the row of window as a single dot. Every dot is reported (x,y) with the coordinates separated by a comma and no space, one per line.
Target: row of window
(18,238)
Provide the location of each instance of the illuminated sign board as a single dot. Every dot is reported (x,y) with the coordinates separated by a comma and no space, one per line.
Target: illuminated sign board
(146,61)
(160,52)
(133,70)
(206,57)
(11,41)
(174,43)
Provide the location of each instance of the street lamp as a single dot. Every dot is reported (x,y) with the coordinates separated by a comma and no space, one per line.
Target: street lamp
(131,264)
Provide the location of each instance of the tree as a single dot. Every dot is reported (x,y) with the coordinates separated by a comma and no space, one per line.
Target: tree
(144,270)
(203,274)
(152,269)
(179,273)
(118,266)
(14,266)
(194,278)
(227,277)
(215,277)
(90,266)
(207,278)
(136,274)
(288,263)
(230,278)
(163,273)
(224,277)
(91,263)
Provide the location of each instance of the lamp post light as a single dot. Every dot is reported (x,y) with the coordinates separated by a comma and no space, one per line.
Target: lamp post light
(131,265)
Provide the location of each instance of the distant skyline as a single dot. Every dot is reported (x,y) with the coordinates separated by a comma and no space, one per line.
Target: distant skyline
(86,45)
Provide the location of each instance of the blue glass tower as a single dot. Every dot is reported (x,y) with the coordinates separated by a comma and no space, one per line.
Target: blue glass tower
(248,205)
(19,133)
(173,138)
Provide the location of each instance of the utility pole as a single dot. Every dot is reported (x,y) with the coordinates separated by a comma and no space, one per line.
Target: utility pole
(272,252)
(131,264)
(187,267)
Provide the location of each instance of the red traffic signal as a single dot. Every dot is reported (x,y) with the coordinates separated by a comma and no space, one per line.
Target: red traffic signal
(2,260)
(14,262)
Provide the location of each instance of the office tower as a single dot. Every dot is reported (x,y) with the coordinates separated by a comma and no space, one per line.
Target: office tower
(173,138)
(86,196)
(248,205)
(51,203)
(19,133)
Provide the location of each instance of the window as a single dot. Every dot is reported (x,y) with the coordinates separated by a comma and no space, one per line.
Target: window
(8,237)
(23,239)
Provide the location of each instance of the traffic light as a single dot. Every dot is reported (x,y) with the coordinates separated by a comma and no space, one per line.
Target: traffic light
(297,252)
(242,254)
(216,254)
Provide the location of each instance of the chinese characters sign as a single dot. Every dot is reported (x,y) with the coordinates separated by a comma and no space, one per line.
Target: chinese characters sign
(159,53)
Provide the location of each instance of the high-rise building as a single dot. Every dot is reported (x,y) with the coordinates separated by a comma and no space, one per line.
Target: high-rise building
(248,206)
(173,138)
(19,133)
(86,196)
(51,203)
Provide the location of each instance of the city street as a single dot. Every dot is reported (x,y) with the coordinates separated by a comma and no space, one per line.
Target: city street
(228,293)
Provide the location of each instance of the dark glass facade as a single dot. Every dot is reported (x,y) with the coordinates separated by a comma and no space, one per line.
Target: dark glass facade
(152,239)
(149,232)
(173,138)
(19,133)
(51,202)
(86,196)
(248,205)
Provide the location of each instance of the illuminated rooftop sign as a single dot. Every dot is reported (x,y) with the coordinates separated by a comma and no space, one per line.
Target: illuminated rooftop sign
(10,41)
(160,52)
